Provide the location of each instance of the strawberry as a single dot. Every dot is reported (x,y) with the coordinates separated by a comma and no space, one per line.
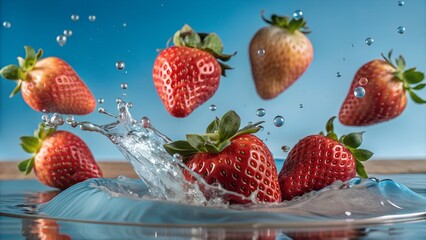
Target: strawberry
(60,158)
(279,55)
(385,93)
(317,161)
(236,159)
(49,84)
(187,75)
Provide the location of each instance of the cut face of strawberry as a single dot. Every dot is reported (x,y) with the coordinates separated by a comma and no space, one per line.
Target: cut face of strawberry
(236,159)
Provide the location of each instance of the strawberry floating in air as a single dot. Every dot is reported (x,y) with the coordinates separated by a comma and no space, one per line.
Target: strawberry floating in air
(317,161)
(187,74)
(279,55)
(385,92)
(235,159)
(60,159)
(49,84)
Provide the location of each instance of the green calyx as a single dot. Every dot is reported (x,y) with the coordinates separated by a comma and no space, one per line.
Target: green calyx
(218,136)
(210,43)
(285,22)
(32,144)
(411,78)
(19,73)
(351,141)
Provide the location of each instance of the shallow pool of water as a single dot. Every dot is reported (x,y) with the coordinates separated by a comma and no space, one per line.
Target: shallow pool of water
(24,194)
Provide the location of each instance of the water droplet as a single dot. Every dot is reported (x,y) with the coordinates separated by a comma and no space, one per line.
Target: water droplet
(45,117)
(297,14)
(250,123)
(57,120)
(369,41)
(285,148)
(260,128)
(359,92)
(92,18)
(400,3)
(100,100)
(118,100)
(124,86)
(68,33)
(261,51)
(75,17)
(260,112)
(7,24)
(279,121)
(101,110)
(268,133)
(120,65)
(348,213)
(400,29)
(212,107)
(70,119)
(177,156)
(145,122)
(61,40)
(301,106)
(363,81)
(338,74)
(129,105)
(124,94)
(124,24)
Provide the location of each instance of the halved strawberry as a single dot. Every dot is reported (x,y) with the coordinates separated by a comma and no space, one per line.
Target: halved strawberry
(60,158)
(49,84)
(235,159)
(187,75)
(385,93)
(279,55)
(317,161)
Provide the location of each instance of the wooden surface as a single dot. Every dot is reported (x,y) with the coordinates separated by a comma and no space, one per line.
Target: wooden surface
(9,170)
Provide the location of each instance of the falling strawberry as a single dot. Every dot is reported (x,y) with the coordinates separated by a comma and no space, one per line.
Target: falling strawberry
(279,55)
(60,158)
(187,75)
(385,92)
(49,84)
(235,159)
(317,161)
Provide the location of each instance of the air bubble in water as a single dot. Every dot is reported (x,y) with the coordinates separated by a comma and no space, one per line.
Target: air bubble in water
(100,100)
(124,86)
(279,121)
(120,65)
(260,112)
(124,24)
(212,107)
(300,105)
(400,3)
(7,24)
(261,51)
(285,148)
(101,110)
(70,119)
(75,17)
(338,74)
(363,81)
(145,122)
(369,41)
(92,18)
(68,33)
(45,117)
(118,100)
(298,14)
(260,128)
(61,40)
(359,92)
(400,29)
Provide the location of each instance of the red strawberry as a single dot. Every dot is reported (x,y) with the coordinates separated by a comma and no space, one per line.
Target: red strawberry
(61,159)
(279,55)
(385,93)
(49,84)
(317,161)
(235,159)
(187,74)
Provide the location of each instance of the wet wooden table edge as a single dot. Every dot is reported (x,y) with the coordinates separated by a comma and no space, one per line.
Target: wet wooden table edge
(112,169)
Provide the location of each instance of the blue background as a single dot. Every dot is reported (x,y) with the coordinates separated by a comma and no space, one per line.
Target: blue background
(339,29)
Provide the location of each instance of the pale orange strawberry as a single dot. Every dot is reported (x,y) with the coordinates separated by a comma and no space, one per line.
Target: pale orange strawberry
(49,84)
(60,159)
(279,55)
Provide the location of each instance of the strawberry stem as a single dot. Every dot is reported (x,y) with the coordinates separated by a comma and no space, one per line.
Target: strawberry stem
(218,136)
(292,25)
